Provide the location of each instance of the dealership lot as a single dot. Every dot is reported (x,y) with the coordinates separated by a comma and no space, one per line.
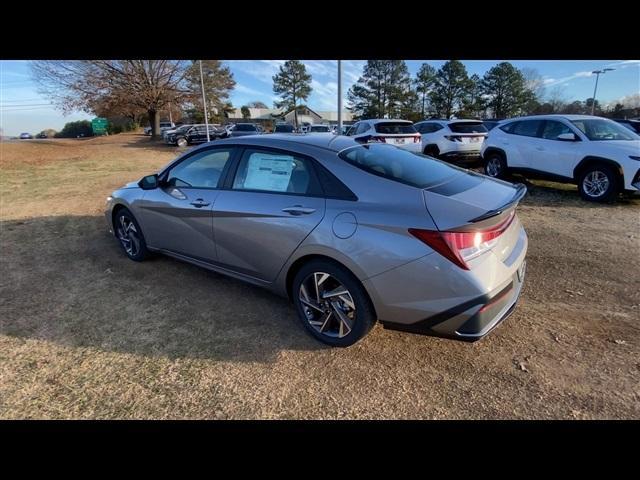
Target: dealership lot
(86,333)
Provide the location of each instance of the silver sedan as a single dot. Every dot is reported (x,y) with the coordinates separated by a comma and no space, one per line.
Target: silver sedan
(352,233)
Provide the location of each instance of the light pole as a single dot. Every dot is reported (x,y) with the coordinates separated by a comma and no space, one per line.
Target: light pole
(204,103)
(593,100)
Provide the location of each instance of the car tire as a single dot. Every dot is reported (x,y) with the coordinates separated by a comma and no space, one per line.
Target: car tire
(129,234)
(599,183)
(182,142)
(432,151)
(495,165)
(332,321)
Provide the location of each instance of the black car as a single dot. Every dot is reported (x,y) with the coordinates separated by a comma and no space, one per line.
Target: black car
(243,129)
(283,128)
(633,125)
(192,134)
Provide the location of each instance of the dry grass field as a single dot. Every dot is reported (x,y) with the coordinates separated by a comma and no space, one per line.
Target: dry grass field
(86,333)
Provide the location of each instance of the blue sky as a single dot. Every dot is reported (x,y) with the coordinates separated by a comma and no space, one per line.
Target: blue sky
(22,109)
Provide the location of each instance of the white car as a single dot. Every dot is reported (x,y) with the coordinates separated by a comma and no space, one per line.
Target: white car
(458,141)
(599,155)
(400,133)
(319,129)
(163,127)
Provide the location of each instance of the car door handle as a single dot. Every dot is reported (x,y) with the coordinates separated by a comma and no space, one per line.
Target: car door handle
(298,210)
(199,203)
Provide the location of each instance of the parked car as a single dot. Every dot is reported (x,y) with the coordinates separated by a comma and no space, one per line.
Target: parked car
(599,155)
(192,134)
(283,128)
(401,133)
(351,233)
(633,125)
(345,130)
(243,129)
(457,141)
(171,131)
(25,136)
(41,135)
(163,126)
(319,129)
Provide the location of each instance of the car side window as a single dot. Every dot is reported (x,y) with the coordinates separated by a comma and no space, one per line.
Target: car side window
(553,128)
(437,127)
(363,127)
(275,172)
(201,170)
(527,128)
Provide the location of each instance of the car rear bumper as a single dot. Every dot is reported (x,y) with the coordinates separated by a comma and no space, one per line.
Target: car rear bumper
(473,319)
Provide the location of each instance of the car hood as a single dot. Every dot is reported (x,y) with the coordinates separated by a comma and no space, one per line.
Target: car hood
(470,200)
(628,147)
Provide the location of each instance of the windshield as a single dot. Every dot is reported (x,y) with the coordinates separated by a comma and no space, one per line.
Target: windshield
(319,128)
(183,128)
(399,165)
(391,128)
(468,127)
(597,129)
(284,128)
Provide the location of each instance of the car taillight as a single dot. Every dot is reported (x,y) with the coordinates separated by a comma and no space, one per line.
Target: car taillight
(460,247)
(416,139)
(377,140)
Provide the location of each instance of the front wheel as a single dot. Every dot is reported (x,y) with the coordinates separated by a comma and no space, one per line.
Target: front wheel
(130,235)
(494,166)
(182,142)
(598,183)
(332,304)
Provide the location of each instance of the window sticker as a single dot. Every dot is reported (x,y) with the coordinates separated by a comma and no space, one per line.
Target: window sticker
(268,172)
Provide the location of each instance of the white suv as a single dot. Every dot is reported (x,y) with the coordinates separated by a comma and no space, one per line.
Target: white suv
(400,133)
(599,155)
(458,141)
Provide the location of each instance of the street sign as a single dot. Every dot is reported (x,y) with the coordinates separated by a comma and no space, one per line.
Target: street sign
(99,125)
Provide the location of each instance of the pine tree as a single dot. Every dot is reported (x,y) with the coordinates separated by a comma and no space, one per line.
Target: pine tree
(451,89)
(292,83)
(506,91)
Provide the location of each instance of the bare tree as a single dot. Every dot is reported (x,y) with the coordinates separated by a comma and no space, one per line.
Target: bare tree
(113,85)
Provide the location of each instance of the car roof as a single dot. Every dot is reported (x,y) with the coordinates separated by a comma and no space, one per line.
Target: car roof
(557,116)
(384,120)
(327,141)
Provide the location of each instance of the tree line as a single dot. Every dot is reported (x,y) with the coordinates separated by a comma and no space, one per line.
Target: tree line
(129,92)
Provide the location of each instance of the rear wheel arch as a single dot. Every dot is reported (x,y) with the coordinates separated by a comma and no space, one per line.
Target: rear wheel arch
(495,150)
(431,148)
(295,267)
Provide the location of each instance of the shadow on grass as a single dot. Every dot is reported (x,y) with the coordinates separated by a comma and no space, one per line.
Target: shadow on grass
(546,193)
(66,280)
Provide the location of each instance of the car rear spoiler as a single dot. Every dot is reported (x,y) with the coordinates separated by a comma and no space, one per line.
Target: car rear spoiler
(521,191)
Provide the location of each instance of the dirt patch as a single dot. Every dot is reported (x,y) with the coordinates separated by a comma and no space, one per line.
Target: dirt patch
(86,333)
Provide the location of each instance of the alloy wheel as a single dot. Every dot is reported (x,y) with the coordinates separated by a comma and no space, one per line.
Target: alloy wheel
(494,166)
(128,236)
(595,183)
(327,304)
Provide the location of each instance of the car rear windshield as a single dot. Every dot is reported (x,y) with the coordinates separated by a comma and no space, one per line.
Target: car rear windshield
(603,129)
(468,127)
(319,129)
(399,165)
(284,128)
(245,128)
(395,128)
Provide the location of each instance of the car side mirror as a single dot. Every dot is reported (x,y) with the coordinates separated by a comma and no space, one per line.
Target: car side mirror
(149,182)
(567,137)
